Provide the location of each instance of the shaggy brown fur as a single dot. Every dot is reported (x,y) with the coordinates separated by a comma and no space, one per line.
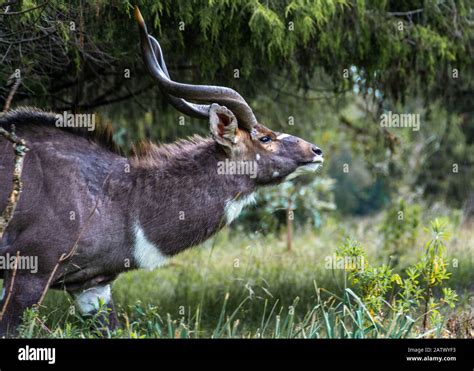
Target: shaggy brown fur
(103,133)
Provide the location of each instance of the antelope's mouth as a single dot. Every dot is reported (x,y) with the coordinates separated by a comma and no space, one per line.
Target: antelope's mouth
(307,167)
(317,160)
(311,166)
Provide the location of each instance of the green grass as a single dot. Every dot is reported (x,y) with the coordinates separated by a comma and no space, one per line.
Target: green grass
(249,285)
(239,285)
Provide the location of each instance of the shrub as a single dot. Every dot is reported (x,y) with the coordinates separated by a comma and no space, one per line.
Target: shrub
(418,291)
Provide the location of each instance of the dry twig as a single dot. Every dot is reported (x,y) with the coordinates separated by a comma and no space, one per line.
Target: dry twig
(20,149)
(10,288)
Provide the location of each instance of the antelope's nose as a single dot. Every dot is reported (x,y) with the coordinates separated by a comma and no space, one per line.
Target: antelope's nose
(317,151)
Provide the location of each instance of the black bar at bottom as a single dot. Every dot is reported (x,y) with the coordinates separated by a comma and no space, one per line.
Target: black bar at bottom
(420,354)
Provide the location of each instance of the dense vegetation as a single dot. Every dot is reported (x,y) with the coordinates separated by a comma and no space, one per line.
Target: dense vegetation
(325,70)
(290,59)
(252,286)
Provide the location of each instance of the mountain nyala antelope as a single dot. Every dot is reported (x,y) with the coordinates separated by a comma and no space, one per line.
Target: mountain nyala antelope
(136,211)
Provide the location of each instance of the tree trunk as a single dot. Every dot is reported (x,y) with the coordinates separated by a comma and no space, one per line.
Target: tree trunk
(289,226)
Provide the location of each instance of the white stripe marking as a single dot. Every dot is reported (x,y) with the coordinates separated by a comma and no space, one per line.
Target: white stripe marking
(147,255)
(234,207)
(283,136)
(88,300)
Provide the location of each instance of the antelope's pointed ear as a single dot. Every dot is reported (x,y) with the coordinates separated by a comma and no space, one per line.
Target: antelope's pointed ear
(223,124)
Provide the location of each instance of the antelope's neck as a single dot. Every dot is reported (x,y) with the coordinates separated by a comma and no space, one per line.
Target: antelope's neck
(181,199)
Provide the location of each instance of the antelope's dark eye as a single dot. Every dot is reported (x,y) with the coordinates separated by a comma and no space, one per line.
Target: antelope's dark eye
(265,139)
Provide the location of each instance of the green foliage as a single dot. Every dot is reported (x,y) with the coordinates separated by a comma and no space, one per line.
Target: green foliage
(307,199)
(373,282)
(357,191)
(296,36)
(250,286)
(445,170)
(400,229)
(293,58)
(329,318)
(34,324)
(412,293)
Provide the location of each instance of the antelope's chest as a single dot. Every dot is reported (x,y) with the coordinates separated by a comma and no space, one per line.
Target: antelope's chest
(233,207)
(147,254)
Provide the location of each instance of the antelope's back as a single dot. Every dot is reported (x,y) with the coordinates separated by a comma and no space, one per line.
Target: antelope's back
(63,170)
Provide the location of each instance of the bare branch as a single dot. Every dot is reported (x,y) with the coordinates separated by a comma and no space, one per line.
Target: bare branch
(13,90)
(404,14)
(20,149)
(10,288)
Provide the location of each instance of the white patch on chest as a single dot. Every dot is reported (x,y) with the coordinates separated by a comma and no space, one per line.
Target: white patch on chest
(234,207)
(88,300)
(146,254)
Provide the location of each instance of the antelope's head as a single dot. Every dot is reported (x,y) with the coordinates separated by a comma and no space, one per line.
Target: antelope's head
(232,122)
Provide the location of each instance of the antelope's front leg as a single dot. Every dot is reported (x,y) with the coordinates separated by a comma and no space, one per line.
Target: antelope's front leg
(88,303)
(21,291)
